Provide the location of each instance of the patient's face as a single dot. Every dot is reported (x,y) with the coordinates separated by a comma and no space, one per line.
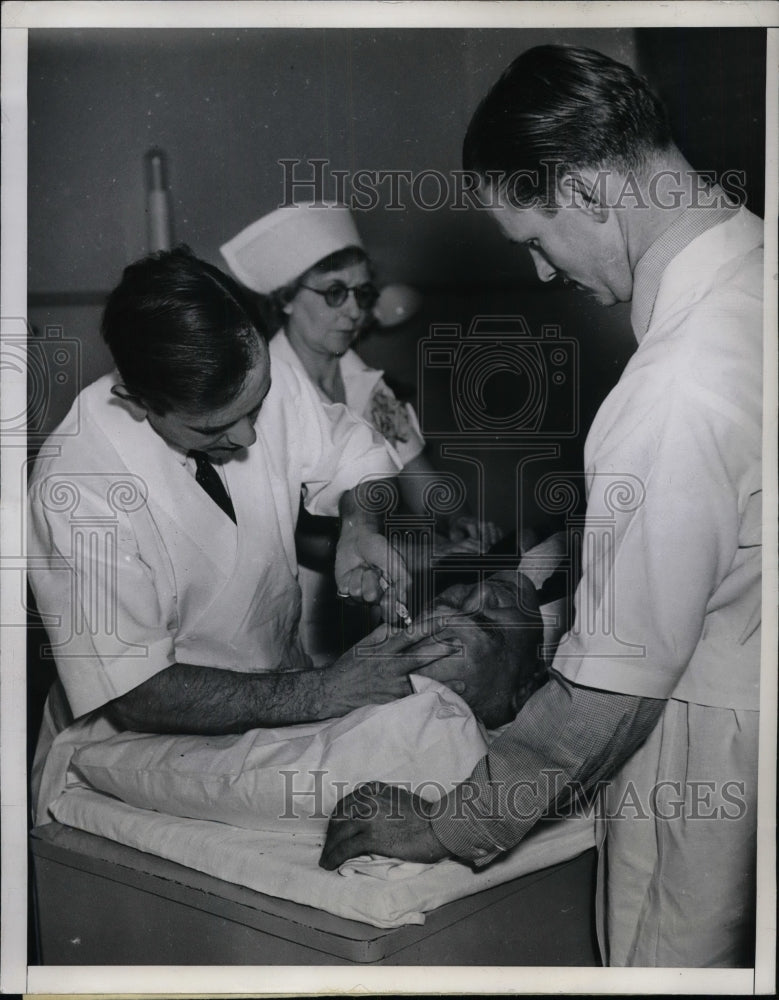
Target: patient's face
(500,659)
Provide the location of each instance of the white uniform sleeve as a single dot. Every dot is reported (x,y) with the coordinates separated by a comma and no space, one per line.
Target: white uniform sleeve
(106,638)
(337,450)
(661,535)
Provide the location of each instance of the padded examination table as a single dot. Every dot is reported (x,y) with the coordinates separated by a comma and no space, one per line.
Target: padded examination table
(103,903)
(116,885)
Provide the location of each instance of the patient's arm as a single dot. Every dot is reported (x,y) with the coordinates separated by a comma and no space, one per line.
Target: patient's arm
(185,698)
(578,735)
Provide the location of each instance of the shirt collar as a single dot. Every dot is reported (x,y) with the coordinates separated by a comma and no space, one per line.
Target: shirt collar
(650,269)
(180,455)
(177,453)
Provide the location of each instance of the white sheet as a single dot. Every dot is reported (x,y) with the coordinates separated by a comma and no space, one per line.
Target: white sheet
(382,892)
(291,777)
(286,865)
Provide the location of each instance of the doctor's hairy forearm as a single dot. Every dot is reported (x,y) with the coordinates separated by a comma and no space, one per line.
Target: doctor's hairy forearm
(187,698)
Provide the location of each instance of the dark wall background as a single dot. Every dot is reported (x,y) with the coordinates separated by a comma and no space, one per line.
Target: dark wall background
(712,81)
(226,106)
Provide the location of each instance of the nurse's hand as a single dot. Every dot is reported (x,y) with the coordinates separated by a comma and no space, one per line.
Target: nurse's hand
(375,670)
(381,819)
(368,569)
(467,528)
(444,547)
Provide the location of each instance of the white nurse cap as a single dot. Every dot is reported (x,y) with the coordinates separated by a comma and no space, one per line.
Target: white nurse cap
(284,244)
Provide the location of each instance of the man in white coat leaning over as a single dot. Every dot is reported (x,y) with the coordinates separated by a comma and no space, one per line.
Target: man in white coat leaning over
(162,514)
(655,691)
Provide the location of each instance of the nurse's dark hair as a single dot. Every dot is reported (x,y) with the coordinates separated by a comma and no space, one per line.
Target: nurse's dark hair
(557,109)
(345,257)
(183,334)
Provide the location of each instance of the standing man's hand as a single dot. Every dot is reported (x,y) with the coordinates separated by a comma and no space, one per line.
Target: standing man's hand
(381,819)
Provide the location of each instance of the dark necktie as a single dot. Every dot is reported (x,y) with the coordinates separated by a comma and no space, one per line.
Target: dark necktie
(209,479)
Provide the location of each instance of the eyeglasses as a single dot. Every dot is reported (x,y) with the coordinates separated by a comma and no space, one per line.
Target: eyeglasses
(366,296)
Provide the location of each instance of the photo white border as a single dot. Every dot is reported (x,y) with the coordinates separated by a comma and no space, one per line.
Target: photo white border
(15,976)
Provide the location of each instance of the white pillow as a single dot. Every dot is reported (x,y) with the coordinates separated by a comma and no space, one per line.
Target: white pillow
(270,779)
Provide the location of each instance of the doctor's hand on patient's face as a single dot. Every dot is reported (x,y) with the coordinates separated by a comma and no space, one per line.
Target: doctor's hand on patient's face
(381,819)
(375,670)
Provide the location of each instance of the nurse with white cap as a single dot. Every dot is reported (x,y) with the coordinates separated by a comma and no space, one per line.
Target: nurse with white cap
(310,260)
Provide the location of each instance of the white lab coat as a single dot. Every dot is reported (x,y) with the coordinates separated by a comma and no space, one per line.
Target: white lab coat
(669,604)
(134,567)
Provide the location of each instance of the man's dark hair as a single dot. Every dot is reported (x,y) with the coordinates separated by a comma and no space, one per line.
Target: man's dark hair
(558,109)
(182,334)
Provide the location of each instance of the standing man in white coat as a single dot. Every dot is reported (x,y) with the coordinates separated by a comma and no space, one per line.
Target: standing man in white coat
(162,515)
(655,693)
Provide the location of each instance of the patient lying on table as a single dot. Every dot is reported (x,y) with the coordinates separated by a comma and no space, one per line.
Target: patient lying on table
(272,779)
